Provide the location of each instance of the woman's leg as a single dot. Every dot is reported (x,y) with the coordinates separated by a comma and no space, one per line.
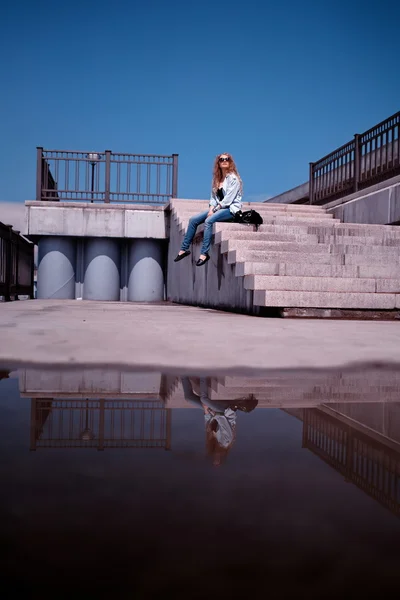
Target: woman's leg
(194,222)
(221,215)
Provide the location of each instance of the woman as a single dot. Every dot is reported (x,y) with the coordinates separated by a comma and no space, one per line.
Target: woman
(225,202)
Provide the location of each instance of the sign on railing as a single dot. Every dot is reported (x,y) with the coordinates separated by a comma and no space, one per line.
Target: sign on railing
(368,158)
(16,264)
(105,177)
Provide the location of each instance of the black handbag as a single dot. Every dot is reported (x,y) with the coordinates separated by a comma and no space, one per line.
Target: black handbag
(249,217)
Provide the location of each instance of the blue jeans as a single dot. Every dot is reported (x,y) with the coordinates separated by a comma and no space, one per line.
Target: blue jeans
(224,214)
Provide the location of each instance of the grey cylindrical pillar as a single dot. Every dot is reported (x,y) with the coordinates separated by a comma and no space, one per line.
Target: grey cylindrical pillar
(56,268)
(101,279)
(145,272)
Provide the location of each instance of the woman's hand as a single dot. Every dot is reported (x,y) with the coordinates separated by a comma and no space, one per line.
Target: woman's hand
(210,212)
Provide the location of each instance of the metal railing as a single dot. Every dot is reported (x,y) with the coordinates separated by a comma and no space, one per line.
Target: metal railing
(369,464)
(368,158)
(105,177)
(16,264)
(100,424)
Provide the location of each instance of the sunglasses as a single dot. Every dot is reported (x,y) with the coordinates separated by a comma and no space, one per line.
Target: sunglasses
(224,159)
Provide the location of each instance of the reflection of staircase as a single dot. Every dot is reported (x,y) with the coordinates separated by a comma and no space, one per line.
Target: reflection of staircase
(300,257)
(291,390)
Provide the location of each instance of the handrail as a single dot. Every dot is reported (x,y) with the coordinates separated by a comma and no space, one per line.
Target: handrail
(368,158)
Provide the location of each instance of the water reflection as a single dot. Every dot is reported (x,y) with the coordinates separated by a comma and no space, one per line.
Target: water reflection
(351,421)
(219,416)
(101,424)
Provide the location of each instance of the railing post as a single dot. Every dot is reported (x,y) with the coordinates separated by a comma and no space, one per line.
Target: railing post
(7,296)
(108,175)
(356,161)
(175,175)
(39,162)
(311,183)
(17,243)
(32,285)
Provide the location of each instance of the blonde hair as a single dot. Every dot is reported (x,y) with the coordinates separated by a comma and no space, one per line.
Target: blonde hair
(218,174)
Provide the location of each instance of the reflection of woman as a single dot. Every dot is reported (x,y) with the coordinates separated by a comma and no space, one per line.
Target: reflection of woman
(219,417)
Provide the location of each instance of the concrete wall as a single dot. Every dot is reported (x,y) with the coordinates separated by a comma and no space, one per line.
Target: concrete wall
(213,285)
(298,194)
(377,204)
(95,220)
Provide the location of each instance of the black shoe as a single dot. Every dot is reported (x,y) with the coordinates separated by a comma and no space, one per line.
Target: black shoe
(202,261)
(180,256)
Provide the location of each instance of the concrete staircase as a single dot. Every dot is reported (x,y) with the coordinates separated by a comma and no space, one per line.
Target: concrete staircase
(300,257)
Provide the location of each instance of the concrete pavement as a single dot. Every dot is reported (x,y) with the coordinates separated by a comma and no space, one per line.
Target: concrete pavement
(182,339)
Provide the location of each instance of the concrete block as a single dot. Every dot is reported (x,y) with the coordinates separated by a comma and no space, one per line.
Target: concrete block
(103,223)
(372,250)
(55,221)
(370,259)
(388,285)
(379,271)
(394,204)
(373,208)
(325,300)
(145,224)
(309,284)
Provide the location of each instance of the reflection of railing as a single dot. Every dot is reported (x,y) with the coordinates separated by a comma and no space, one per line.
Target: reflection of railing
(100,424)
(106,177)
(16,264)
(361,459)
(367,159)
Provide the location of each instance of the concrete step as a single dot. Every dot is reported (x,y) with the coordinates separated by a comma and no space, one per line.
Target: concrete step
(183,203)
(326,300)
(257,236)
(311,258)
(305,237)
(384,232)
(284,257)
(319,270)
(270,246)
(317,248)
(266,214)
(312,284)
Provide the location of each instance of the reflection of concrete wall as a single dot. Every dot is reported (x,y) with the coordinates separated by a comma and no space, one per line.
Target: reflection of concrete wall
(383,418)
(88,383)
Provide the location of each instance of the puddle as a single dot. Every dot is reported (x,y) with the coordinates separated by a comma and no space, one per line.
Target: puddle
(148,484)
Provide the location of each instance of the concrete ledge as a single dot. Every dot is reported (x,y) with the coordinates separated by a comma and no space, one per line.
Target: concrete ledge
(378,204)
(96,220)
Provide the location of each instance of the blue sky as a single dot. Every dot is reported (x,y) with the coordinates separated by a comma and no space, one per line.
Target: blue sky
(275,84)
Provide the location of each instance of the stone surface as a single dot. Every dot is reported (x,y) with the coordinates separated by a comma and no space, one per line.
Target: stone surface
(325,299)
(185,339)
(96,220)
(313,284)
